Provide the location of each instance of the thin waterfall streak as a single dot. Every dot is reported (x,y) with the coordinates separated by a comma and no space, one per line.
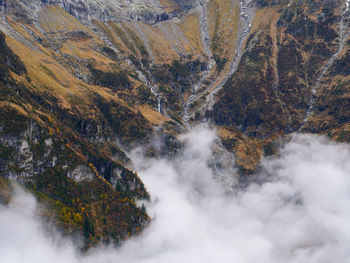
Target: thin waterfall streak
(245,19)
(343,34)
(204,28)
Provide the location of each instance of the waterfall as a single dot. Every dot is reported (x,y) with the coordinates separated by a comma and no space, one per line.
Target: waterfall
(203,24)
(245,19)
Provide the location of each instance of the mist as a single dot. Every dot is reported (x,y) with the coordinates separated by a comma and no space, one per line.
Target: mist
(300,213)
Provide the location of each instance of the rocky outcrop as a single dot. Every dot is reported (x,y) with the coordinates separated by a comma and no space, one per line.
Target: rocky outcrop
(75,187)
(81,173)
(8,61)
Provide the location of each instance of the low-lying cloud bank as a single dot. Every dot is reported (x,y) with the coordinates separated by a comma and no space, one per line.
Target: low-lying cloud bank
(300,214)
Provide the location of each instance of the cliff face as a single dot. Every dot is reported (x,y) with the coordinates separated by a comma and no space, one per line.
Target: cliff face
(82,82)
(150,11)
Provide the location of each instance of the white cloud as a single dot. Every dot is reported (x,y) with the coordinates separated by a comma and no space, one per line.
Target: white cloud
(300,214)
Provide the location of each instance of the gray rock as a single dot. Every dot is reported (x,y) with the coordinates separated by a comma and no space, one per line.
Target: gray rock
(149,11)
(116,175)
(81,173)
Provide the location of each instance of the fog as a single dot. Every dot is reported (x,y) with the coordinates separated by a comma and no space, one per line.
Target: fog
(301,212)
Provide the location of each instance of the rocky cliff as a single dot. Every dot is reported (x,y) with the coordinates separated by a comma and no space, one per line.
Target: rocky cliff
(149,11)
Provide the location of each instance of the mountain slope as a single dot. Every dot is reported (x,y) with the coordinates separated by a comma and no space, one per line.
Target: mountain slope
(84,82)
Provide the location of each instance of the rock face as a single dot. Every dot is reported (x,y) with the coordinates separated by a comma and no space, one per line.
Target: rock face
(150,11)
(81,173)
(83,82)
(9,61)
(72,189)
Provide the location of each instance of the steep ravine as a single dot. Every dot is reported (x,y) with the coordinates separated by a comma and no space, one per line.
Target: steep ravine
(246,18)
(204,28)
(247,11)
(343,37)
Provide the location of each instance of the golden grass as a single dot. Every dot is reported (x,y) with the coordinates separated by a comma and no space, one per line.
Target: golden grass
(122,39)
(19,28)
(49,71)
(48,76)
(54,19)
(85,50)
(19,109)
(161,48)
(248,151)
(168,5)
(223,17)
(154,117)
(190,26)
